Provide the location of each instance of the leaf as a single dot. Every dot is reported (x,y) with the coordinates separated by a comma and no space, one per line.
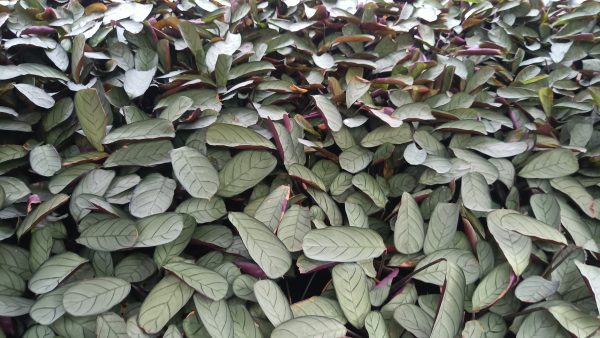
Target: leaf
(204,281)
(376,326)
(272,301)
(319,306)
(357,87)
(36,95)
(535,288)
(342,244)
(414,319)
(174,111)
(158,229)
(442,227)
(272,208)
(41,212)
(515,246)
(546,209)
(142,130)
(230,135)
(570,187)
(435,273)
(54,271)
(153,195)
(528,226)
(475,192)
(244,171)
(135,268)
(146,154)
(14,189)
(250,68)
(492,287)
(306,175)
(110,235)
(91,116)
(111,325)
(195,172)
(331,114)
(162,303)
(49,307)
(350,284)
(355,159)
(449,316)
(387,134)
(67,176)
(45,160)
(136,82)
(202,210)
(590,273)
(11,306)
(357,217)
(550,164)
(327,204)
(309,327)
(165,252)
(95,296)
(575,321)
(215,316)
(367,184)
(295,224)
(414,111)
(409,231)
(263,246)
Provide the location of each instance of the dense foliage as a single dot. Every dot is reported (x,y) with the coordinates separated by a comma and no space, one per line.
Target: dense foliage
(299,168)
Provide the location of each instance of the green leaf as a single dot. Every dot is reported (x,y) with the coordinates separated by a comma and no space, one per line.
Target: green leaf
(263,246)
(165,252)
(355,159)
(45,160)
(575,321)
(309,327)
(546,209)
(91,116)
(550,164)
(244,171)
(215,316)
(158,229)
(142,130)
(367,184)
(41,212)
(272,301)
(515,246)
(207,282)
(535,288)
(136,82)
(230,135)
(135,268)
(327,204)
(591,275)
(350,284)
(36,95)
(330,112)
(376,326)
(54,271)
(342,244)
(195,172)
(357,217)
(244,325)
(492,287)
(110,235)
(387,134)
(272,208)
(153,195)
(357,87)
(572,188)
(546,97)
(222,68)
(442,227)
(11,306)
(306,175)
(49,306)
(111,325)
(450,313)
(414,111)
(175,110)
(319,306)
(14,189)
(67,176)
(531,227)
(249,68)
(95,296)
(414,319)
(162,303)
(475,192)
(435,273)
(409,231)
(202,210)
(295,224)
(146,154)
